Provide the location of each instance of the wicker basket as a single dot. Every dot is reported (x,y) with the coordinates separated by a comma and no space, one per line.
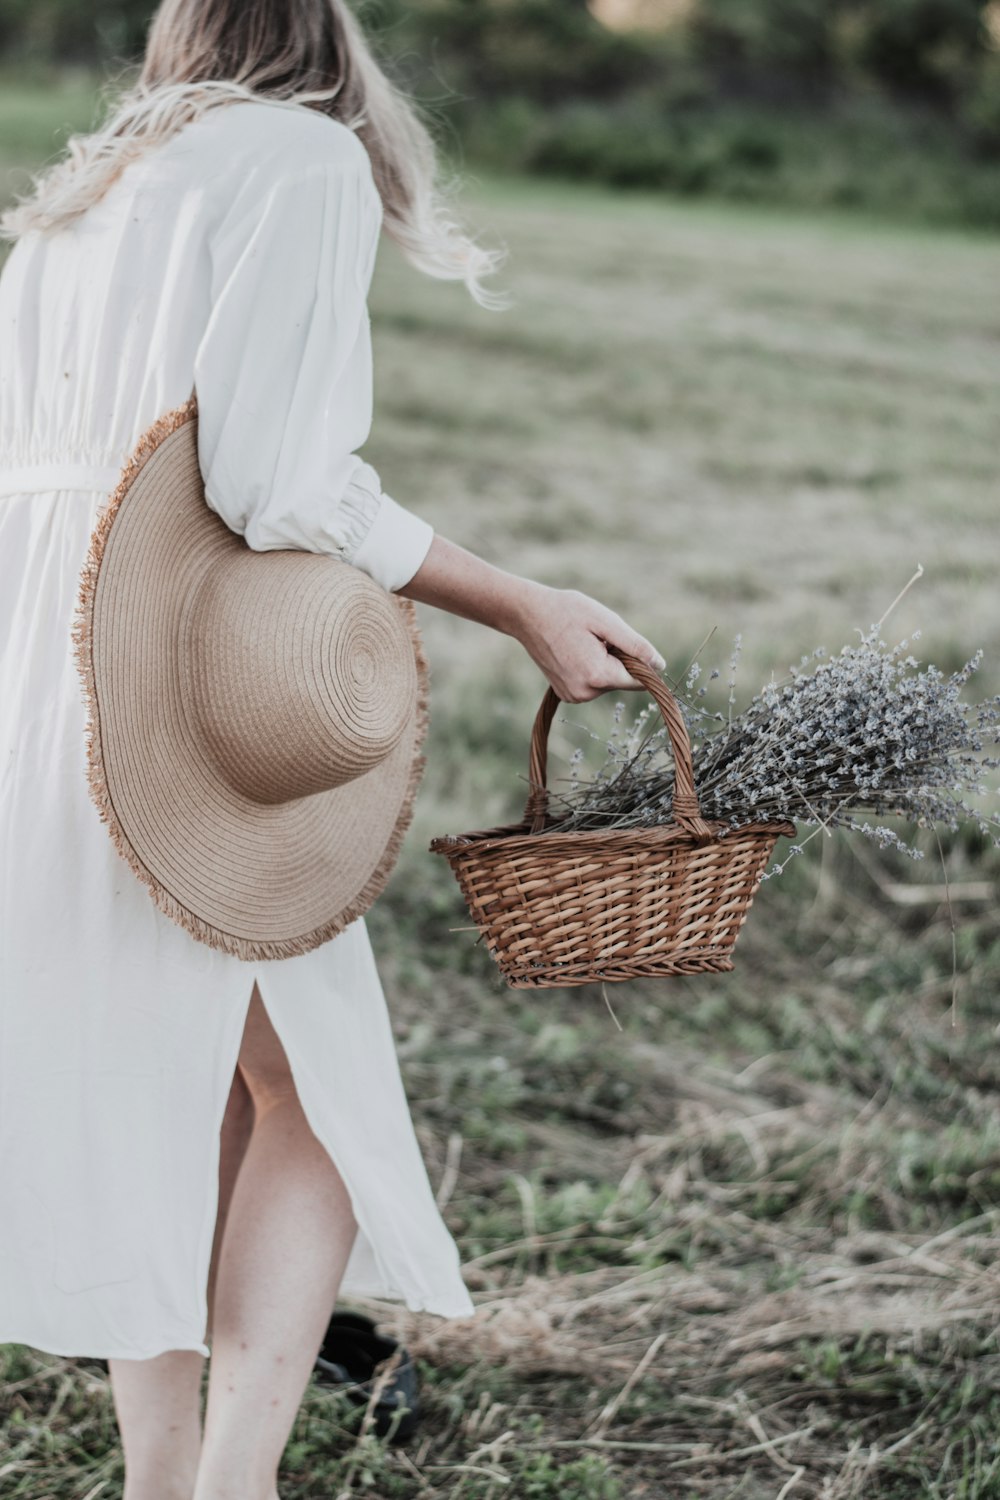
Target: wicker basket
(630,903)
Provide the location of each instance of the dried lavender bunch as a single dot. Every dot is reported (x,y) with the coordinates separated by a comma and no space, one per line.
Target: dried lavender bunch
(867,732)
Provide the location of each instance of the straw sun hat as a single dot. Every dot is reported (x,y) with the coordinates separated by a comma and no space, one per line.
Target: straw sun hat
(254,718)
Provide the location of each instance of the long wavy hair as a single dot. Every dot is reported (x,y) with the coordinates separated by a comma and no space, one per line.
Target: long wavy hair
(204,54)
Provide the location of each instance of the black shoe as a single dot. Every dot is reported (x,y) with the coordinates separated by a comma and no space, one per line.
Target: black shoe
(349,1358)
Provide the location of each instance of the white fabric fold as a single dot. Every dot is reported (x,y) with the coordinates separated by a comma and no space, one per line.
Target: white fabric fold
(283,373)
(35,479)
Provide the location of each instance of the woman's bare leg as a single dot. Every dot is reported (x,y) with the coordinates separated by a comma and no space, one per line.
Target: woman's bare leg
(158,1405)
(158,1401)
(288,1235)
(237,1125)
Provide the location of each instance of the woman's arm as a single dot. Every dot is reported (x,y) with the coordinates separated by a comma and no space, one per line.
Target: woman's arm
(283,376)
(563,631)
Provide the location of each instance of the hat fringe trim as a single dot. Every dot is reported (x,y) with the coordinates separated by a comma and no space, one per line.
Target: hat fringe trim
(97,782)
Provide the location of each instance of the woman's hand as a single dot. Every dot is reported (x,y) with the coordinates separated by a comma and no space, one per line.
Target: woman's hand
(567,634)
(563,631)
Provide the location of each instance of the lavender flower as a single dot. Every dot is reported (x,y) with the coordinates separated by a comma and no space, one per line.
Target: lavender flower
(867,732)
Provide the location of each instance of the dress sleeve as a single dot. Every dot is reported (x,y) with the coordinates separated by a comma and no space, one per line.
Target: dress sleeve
(283,374)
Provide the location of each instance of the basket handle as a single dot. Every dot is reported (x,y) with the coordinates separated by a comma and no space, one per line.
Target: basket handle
(686,808)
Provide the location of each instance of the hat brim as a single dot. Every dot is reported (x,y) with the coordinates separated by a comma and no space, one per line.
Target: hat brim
(257,881)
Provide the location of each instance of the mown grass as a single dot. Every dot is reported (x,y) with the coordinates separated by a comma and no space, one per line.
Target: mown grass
(747,1245)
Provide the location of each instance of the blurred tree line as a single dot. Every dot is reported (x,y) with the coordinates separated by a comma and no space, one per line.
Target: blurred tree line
(69,31)
(882,103)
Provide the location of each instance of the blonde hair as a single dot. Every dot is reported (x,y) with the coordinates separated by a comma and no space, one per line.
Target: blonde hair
(203,54)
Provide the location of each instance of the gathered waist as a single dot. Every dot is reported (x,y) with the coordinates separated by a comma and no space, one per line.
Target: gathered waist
(28,479)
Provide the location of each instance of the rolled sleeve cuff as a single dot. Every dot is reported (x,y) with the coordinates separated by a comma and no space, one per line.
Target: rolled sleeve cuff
(394,546)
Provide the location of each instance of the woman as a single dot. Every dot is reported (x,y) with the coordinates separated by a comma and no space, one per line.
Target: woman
(219,233)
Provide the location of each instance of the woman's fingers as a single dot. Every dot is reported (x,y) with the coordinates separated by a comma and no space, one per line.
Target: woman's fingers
(598,670)
(568,634)
(607,673)
(637,645)
(612,629)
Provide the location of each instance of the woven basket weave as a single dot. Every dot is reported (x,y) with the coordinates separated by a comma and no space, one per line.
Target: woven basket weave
(568,909)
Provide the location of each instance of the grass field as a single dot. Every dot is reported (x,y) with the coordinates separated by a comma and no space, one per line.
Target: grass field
(747,1245)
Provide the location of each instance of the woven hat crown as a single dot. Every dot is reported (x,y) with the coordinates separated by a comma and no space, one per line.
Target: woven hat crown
(301,676)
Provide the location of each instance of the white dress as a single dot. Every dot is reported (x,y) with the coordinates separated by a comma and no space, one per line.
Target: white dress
(235,259)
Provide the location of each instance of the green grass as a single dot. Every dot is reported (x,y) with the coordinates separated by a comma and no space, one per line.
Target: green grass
(777,1192)
(36,117)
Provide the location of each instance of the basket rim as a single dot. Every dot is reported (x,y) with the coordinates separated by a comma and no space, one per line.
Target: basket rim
(511,836)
